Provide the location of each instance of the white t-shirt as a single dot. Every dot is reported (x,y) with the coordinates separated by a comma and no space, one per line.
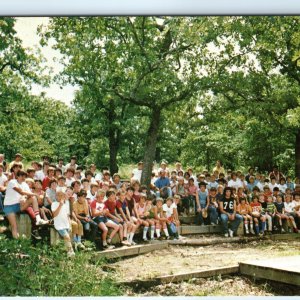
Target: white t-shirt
(68,166)
(235,184)
(137,174)
(39,175)
(289,207)
(61,221)
(98,177)
(168,210)
(3,179)
(69,181)
(271,186)
(12,196)
(260,186)
(282,187)
(61,189)
(91,196)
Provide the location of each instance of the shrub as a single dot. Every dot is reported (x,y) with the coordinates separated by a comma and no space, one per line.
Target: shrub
(46,271)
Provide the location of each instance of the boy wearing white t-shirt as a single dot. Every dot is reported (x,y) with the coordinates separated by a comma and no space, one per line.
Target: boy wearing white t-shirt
(61,212)
(168,208)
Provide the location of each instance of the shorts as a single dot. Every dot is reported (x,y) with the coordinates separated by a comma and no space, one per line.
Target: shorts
(116,222)
(63,232)
(12,209)
(99,220)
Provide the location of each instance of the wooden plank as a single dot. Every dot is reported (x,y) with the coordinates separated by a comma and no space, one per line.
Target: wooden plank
(187,219)
(215,241)
(153,247)
(181,277)
(284,269)
(195,229)
(215,228)
(199,274)
(24,224)
(55,238)
(240,230)
(133,250)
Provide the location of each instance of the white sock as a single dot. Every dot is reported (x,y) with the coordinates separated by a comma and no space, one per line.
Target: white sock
(38,217)
(251,226)
(246,226)
(131,234)
(158,232)
(166,232)
(152,232)
(128,234)
(104,243)
(145,232)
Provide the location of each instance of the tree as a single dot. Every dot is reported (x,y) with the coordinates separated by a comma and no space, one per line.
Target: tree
(149,62)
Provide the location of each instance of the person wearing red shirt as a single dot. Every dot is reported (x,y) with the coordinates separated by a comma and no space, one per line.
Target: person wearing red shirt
(50,176)
(111,204)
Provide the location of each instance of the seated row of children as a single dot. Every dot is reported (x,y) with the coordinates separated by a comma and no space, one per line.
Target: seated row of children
(74,214)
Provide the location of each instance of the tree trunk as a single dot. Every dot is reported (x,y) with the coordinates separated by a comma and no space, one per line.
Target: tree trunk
(150,147)
(114,139)
(113,151)
(157,154)
(297,154)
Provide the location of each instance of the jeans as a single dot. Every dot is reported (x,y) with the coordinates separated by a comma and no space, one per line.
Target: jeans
(199,215)
(168,189)
(90,227)
(213,214)
(233,224)
(1,202)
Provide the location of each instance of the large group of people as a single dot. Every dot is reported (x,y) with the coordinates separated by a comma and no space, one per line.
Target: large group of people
(82,203)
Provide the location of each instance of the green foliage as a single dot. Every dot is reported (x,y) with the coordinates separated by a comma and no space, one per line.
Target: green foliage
(44,271)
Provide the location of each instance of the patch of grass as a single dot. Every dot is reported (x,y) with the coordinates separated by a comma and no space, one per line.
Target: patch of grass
(46,271)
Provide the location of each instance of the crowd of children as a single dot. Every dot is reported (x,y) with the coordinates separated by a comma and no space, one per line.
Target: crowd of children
(81,203)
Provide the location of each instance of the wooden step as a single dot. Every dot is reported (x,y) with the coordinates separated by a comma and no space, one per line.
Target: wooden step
(133,250)
(283,269)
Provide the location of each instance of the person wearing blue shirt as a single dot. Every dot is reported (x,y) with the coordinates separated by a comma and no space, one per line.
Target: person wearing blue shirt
(163,185)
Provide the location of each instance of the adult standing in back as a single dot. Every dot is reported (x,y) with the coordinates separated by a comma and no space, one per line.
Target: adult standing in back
(219,167)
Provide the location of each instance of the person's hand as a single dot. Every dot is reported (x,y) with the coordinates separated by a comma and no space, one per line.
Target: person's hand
(86,219)
(199,209)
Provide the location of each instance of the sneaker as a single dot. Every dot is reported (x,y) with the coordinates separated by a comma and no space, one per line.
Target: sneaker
(226,234)
(125,243)
(212,223)
(71,253)
(41,222)
(230,233)
(145,239)
(36,235)
(252,231)
(296,230)
(282,230)
(80,246)
(261,234)
(247,231)
(108,241)
(133,243)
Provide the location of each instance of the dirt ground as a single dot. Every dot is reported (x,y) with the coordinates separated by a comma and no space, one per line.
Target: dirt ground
(179,259)
(221,286)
